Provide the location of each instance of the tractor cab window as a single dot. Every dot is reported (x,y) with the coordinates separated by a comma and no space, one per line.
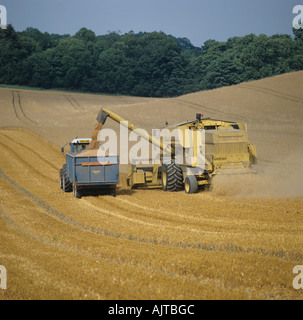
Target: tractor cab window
(77,147)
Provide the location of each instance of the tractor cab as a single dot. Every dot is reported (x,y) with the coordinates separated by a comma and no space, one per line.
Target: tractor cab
(79,145)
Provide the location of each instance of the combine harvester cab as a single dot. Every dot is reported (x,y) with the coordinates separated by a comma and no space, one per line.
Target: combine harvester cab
(85,172)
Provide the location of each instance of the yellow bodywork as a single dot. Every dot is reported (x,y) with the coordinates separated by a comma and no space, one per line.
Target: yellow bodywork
(224,147)
(144,176)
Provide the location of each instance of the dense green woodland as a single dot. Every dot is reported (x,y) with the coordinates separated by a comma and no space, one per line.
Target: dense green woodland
(144,64)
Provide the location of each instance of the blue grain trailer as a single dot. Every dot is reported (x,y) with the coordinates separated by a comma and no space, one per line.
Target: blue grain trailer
(85,172)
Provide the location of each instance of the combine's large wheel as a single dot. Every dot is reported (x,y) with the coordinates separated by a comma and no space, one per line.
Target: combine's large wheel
(172,177)
(66,184)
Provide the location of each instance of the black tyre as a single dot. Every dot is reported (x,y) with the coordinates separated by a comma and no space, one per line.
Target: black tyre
(172,177)
(66,184)
(61,178)
(191,184)
(113,192)
(76,192)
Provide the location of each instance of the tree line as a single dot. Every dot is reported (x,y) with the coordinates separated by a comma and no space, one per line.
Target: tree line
(143,64)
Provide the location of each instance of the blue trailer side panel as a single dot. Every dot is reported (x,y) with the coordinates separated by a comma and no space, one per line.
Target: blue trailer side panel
(88,171)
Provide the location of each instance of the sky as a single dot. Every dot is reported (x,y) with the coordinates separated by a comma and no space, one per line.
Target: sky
(197,20)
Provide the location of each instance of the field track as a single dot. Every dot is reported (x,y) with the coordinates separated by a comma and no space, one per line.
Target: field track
(238,242)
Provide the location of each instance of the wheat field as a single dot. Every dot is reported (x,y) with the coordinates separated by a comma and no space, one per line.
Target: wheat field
(241,240)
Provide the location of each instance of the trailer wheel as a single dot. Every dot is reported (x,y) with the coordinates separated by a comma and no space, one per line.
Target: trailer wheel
(61,178)
(191,184)
(114,192)
(76,192)
(66,184)
(172,177)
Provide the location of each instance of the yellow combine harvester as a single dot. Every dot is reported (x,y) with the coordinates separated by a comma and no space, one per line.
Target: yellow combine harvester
(209,146)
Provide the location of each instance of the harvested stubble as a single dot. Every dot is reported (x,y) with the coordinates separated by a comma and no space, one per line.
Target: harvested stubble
(230,243)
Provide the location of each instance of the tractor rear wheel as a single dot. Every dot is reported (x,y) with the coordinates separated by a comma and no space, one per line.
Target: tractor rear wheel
(172,177)
(66,184)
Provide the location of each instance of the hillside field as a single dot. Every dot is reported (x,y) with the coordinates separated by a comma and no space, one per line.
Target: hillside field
(240,240)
